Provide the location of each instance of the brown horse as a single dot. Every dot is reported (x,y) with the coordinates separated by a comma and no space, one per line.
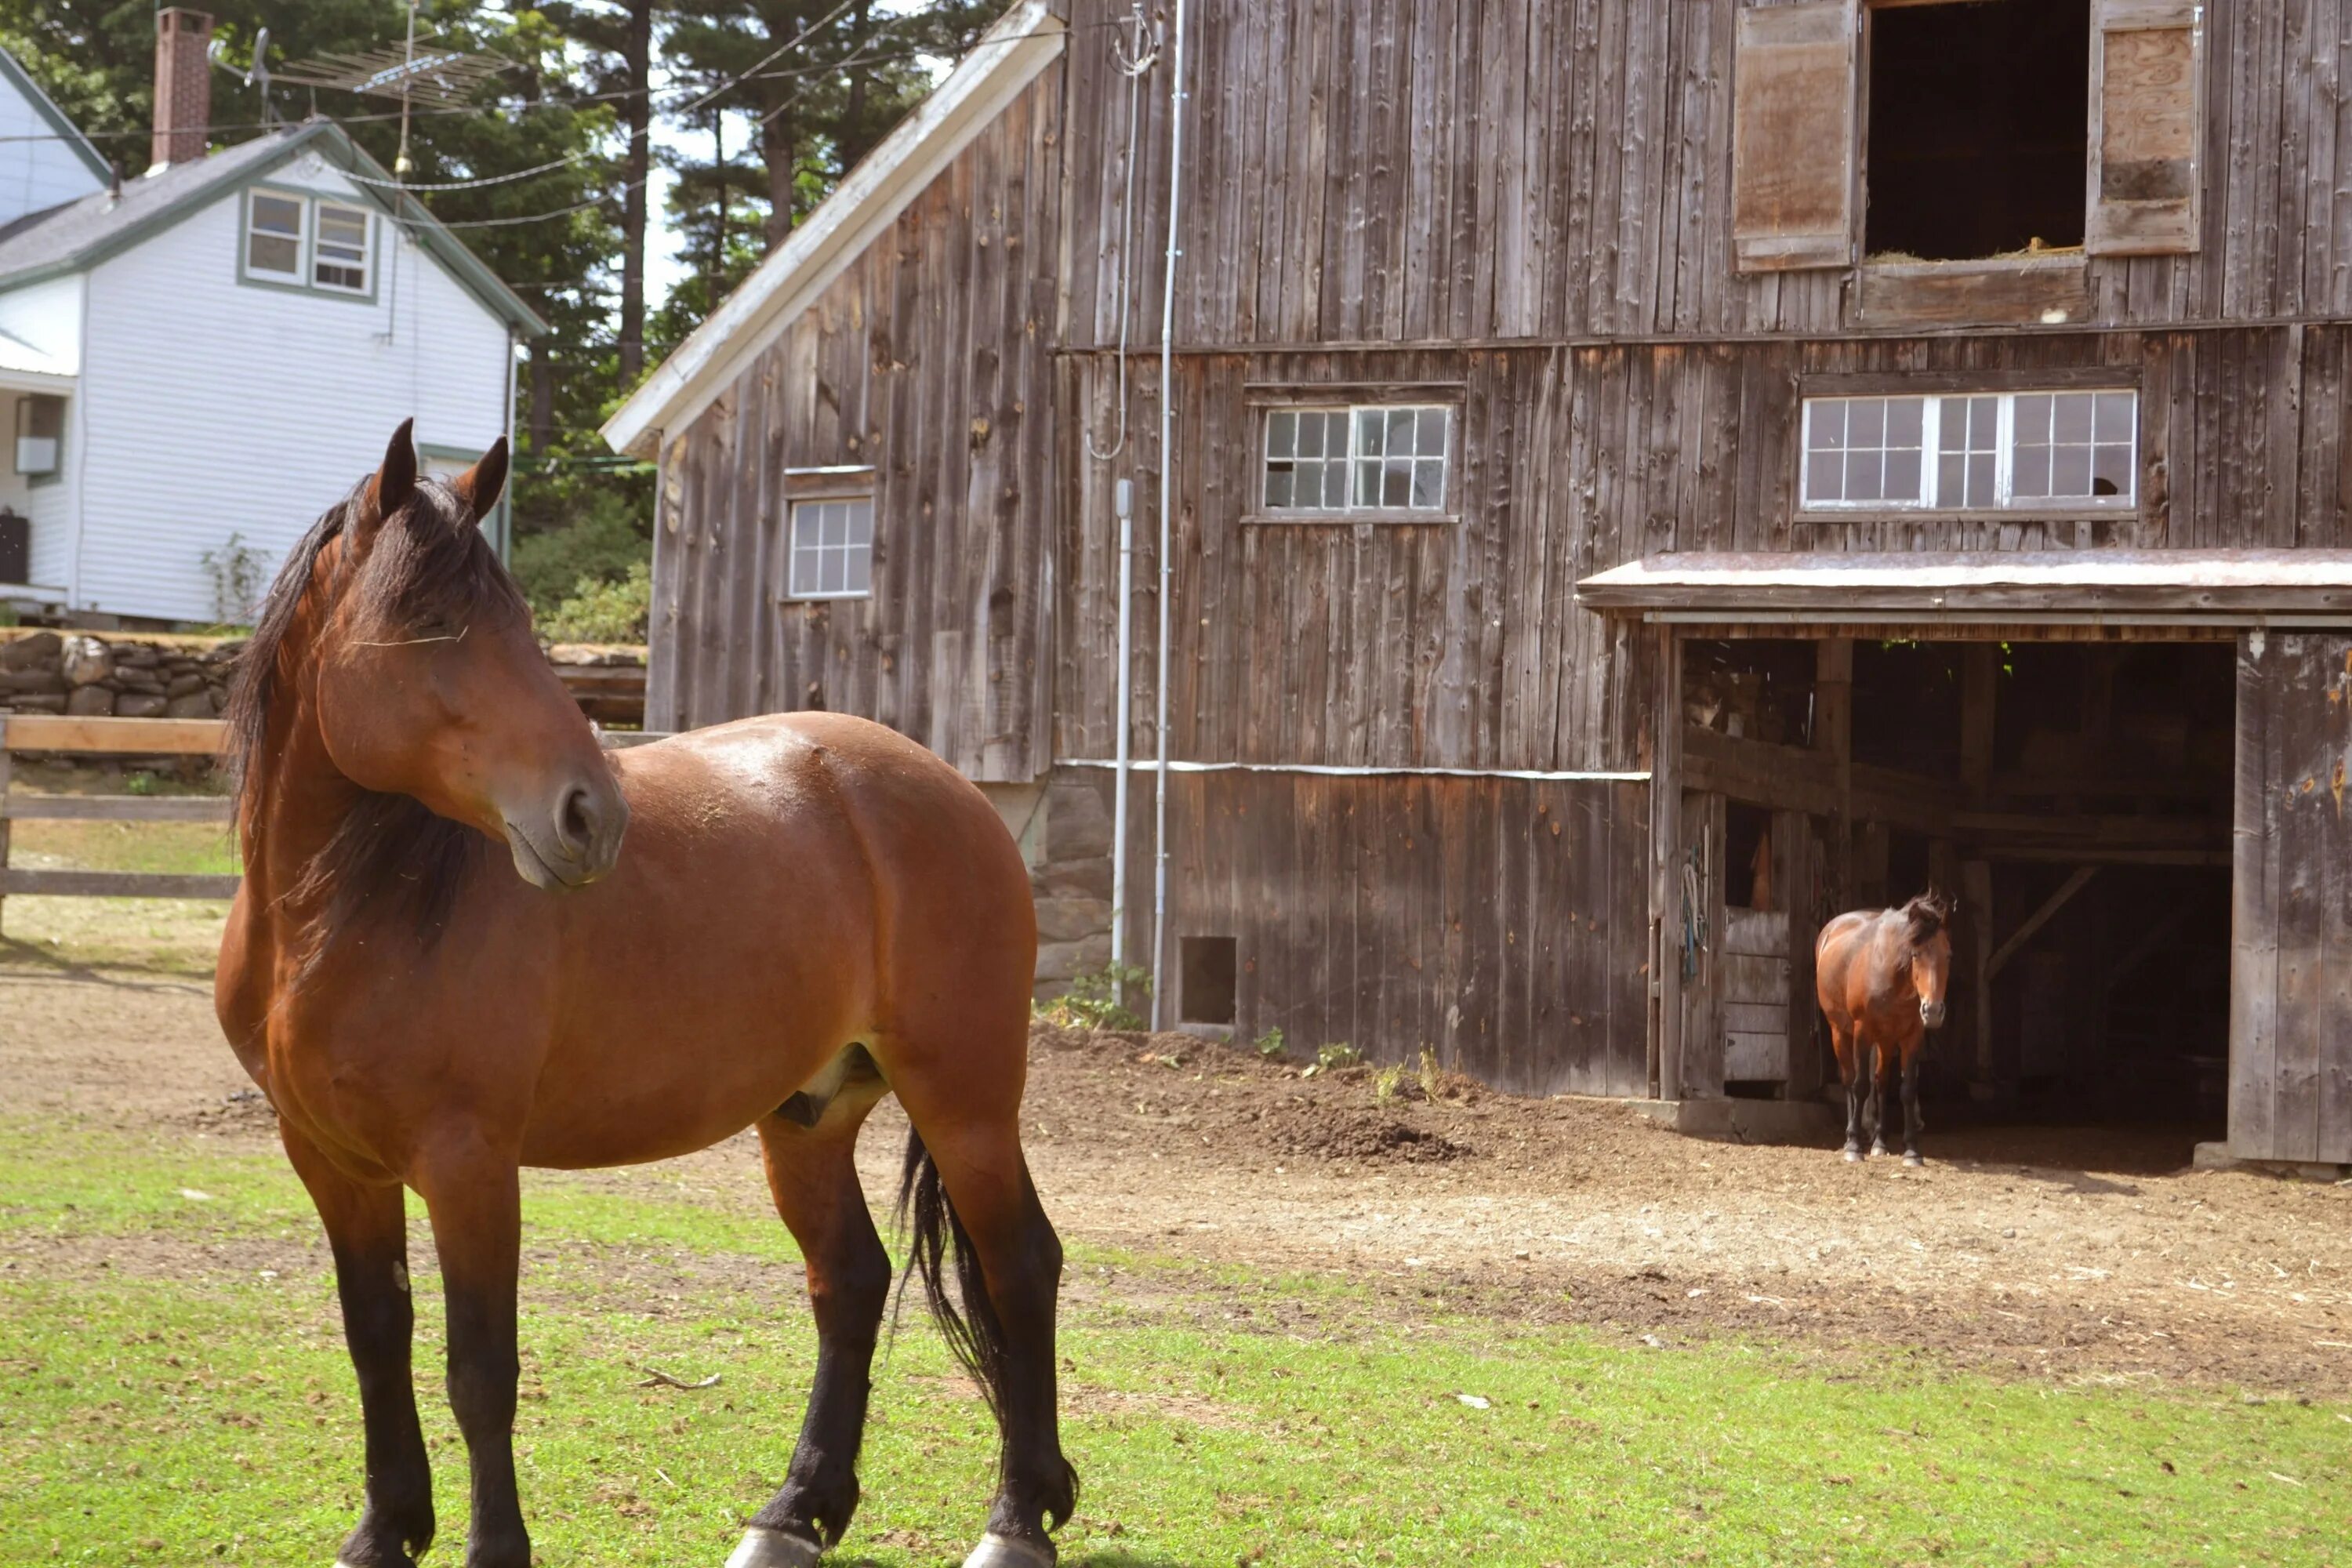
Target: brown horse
(812,912)
(1881,977)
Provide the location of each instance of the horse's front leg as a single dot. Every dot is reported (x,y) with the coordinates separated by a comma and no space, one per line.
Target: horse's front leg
(473,1193)
(1881,1074)
(367,1228)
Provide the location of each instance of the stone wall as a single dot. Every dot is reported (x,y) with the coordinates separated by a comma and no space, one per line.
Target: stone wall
(126,678)
(1069,870)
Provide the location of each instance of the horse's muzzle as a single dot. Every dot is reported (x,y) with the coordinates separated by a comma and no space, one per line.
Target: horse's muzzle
(1931,1014)
(577,840)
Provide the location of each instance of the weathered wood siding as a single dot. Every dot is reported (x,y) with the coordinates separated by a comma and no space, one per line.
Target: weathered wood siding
(1502,923)
(928,359)
(1422,171)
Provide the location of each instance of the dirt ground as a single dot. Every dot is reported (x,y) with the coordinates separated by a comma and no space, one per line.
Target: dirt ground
(2054,1253)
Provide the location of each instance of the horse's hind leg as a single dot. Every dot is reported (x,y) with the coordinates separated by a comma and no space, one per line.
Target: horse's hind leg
(813,1176)
(971,1193)
(1842,1042)
(367,1228)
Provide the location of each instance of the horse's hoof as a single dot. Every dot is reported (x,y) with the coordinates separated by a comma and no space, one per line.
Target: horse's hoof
(765,1547)
(1913,1160)
(996,1551)
(1853,1156)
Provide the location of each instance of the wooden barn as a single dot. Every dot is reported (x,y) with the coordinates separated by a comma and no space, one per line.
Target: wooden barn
(1635,479)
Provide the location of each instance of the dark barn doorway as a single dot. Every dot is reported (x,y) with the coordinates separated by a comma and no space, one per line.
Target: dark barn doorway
(2076,797)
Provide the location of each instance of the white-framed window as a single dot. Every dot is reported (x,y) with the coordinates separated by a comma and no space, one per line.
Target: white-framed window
(339,257)
(40,433)
(1377,458)
(1971,451)
(832,548)
(273,234)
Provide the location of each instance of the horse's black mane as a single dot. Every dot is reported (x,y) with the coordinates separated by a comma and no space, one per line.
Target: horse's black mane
(427,566)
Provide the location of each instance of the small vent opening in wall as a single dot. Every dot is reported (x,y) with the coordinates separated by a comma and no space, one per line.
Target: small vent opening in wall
(1207,969)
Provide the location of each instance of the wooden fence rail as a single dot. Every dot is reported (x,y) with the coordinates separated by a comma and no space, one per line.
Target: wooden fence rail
(124,737)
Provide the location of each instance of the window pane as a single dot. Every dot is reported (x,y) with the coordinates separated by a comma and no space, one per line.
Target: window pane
(1369,426)
(1863,476)
(1980,478)
(277,215)
(1310,435)
(1396,486)
(1433,433)
(1429,484)
(2031,475)
(833,523)
(1277,486)
(2111,472)
(2114,416)
(1984,423)
(1952,479)
(1368,482)
(1904,416)
(1865,421)
(268,253)
(1335,485)
(2070,470)
(2033,420)
(1281,433)
(2071,414)
(1823,472)
(834,575)
(1903,475)
(1827,425)
(1401,422)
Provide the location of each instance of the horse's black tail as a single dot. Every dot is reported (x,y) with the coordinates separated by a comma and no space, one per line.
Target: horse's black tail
(937,1240)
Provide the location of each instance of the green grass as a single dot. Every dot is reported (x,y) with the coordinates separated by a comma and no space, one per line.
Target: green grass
(162,1399)
(173,936)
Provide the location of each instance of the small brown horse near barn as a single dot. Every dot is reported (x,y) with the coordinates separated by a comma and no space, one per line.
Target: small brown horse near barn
(1881,976)
(812,912)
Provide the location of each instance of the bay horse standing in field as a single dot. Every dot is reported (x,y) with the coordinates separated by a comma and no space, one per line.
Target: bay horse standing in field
(1881,977)
(812,912)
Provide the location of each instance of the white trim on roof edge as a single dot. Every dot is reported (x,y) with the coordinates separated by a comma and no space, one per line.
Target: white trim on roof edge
(1008,58)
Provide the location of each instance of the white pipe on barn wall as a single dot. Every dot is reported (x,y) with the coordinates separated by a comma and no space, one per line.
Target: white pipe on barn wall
(1123,503)
(1167,469)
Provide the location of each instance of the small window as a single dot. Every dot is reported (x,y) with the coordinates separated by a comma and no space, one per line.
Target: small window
(1207,970)
(1978,452)
(40,432)
(1369,458)
(832,549)
(273,235)
(340,260)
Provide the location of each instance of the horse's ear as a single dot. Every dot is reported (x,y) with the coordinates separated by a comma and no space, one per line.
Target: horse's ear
(394,481)
(480,486)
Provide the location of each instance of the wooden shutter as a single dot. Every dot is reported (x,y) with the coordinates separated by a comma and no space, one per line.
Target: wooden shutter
(2291,917)
(1792,137)
(2147,69)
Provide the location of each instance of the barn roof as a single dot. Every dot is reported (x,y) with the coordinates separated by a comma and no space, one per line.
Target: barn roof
(2248,585)
(81,234)
(1008,58)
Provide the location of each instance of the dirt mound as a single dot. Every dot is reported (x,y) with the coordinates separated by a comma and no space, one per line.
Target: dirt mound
(1341,1132)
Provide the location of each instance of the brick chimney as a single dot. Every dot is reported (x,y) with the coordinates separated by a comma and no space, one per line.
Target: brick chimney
(184,85)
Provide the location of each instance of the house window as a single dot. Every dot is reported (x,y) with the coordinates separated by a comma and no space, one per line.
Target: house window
(340,260)
(1974,452)
(40,432)
(1379,458)
(1979,129)
(273,235)
(832,549)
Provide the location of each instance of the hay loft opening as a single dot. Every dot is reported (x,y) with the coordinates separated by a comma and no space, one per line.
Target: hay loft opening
(1978,135)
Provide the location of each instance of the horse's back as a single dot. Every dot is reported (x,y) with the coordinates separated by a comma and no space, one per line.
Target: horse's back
(1834,950)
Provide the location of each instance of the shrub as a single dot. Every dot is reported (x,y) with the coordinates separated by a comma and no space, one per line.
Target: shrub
(1270,1046)
(1097,1000)
(603,612)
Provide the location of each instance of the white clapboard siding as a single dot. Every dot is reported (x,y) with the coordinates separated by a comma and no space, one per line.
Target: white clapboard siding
(38,168)
(211,407)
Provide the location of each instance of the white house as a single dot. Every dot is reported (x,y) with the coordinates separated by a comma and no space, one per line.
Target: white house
(201,361)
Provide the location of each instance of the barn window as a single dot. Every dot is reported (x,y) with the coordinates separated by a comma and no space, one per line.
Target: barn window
(1977,129)
(273,235)
(1367,458)
(340,260)
(833,548)
(1973,452)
